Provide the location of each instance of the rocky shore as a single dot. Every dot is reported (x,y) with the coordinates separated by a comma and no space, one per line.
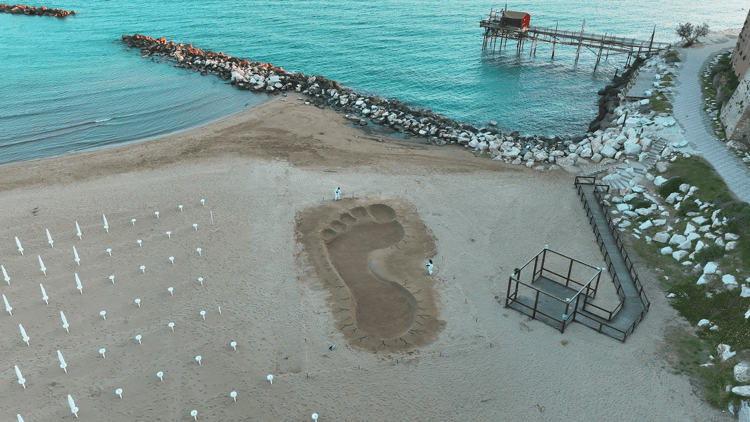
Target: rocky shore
(621,131)
(19,9)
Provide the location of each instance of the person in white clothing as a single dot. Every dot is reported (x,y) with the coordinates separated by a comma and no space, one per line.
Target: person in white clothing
(337,194)
(429,267)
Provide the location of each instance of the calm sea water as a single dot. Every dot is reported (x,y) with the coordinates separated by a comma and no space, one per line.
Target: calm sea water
(69,85)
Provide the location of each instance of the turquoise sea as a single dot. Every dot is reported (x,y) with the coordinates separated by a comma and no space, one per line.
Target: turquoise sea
(69,85)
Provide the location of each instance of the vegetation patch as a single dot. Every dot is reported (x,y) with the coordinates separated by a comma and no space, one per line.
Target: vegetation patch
(688,349)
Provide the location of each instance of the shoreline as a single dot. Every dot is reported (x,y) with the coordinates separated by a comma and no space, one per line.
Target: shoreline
(259,171)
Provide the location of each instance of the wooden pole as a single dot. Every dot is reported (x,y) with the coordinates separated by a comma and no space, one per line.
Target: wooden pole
(554,41)
(650,43)
(580,40)
(599,56)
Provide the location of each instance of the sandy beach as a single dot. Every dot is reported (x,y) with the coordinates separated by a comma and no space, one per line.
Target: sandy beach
(287,291)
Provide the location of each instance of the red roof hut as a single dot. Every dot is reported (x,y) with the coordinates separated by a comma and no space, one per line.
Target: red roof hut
(518,20)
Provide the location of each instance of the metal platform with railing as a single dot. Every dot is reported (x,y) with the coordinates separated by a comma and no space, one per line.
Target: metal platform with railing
(558,290)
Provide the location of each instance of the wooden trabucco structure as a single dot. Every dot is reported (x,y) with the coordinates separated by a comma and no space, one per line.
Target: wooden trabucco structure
(497,26)
(550,292)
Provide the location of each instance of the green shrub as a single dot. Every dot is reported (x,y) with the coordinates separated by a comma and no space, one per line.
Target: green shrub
(709,253)
(738,217)
(687,207)
(715,380)
(672,185)
(641,204)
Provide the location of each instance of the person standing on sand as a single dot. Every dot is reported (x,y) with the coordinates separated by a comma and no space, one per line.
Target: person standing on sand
(337,194)
(429,267)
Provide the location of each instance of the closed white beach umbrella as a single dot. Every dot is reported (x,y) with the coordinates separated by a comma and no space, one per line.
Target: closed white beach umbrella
(41,265)
(72,404)
(78,231)
(106,225)
(45,298)
(79,286)
(63,365)
(75,255)
(49,239)
(64,321)
(18,243)
(20,377)
(8,308)
(23,334)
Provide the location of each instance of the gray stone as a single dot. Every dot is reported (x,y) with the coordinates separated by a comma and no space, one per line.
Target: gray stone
(608,151)
(661,166)
(744,413)
(743,390)
(661,237)
(672,198)
(667,250)
(658,180)
(632,149)
(725,352)
(730,245)
(679,255)
(596,158)
(677,239)
(742,372)
(710,268)
(745,291)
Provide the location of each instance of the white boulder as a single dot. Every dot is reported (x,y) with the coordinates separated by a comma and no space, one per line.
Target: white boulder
(667,250)
(661,237)
(679,255)
(658,180)
(729,279)
(725,352)
(703,322)
(608,151)
(677,239)
(710,268)
(745,291)
(742,372)
(731,236)
(743,390)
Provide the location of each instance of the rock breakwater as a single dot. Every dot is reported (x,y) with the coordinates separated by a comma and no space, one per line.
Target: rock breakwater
(539,152)
(20,9)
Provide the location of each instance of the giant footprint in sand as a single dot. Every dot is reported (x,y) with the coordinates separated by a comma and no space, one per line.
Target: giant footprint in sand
(384,308)
(371,259)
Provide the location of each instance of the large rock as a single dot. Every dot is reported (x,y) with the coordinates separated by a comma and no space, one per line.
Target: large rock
(679,255)
(658,181)
(729,279)
(745,291)
(742,372)
(632,149)
(608,151)
(744,413)
(677,239)
(710,268)
(667,250)
(725,352)
(743,390)
(661,237)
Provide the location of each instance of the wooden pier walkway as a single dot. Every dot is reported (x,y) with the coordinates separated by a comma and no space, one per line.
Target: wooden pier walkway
(495,26)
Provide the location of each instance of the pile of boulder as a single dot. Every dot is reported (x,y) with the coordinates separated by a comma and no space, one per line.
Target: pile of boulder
(19,9)
(629,134)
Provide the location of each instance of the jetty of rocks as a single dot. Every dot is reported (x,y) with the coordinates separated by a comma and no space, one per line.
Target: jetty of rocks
(601,147)
(20,9)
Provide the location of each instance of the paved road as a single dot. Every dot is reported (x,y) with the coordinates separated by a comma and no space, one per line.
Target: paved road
(688,111)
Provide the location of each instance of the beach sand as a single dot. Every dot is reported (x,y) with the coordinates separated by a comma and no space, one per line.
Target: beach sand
(268,261)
